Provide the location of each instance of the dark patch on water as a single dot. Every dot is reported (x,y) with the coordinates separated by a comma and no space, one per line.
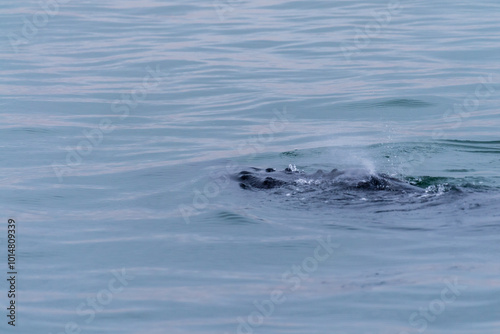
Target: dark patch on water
(293,153)
(408,103)
(392,103)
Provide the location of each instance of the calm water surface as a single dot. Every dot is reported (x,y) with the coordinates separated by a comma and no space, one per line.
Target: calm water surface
(123,123)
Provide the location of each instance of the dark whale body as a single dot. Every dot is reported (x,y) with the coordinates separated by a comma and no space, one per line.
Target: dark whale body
(335,180)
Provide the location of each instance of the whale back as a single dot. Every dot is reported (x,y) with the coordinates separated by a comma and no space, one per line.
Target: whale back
(356,179)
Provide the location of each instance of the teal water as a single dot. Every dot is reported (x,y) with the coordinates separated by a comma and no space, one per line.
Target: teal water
(123,123)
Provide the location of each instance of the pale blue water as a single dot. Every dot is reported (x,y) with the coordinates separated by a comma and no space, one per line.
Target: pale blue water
(123,121)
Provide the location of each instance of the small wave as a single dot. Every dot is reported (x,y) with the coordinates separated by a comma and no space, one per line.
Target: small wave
(408,103)
(391,103)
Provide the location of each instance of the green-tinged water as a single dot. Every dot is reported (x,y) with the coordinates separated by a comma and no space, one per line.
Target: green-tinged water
(124,126)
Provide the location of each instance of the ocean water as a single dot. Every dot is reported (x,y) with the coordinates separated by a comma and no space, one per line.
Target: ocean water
(124,123)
